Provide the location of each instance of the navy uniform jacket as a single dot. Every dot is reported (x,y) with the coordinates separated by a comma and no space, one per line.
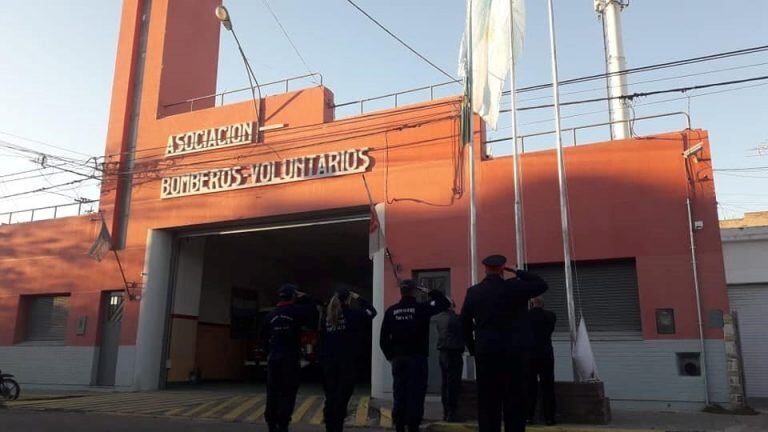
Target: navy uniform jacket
(542,324)
(405,330)
(495,313)
(281,328)
(345,339)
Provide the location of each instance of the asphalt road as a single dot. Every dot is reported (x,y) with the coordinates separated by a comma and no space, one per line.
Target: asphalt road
(51,421)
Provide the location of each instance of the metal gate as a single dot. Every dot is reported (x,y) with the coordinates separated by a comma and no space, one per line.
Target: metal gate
(750,302)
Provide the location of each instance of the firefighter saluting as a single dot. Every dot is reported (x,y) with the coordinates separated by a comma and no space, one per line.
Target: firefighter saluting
(405,342)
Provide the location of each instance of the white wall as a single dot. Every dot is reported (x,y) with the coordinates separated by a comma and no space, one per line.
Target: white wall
(47,365)
(745,251)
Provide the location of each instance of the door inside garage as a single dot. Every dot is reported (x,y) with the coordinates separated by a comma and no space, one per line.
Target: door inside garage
(226,281)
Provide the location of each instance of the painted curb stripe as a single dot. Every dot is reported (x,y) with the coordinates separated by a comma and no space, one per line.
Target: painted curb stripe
(242,408)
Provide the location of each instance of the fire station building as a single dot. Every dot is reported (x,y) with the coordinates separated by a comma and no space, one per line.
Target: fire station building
(211,211)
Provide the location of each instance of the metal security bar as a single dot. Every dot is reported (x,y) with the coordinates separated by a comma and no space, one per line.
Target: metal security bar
(218,98)
(50,212)
(395,97)
(574,130)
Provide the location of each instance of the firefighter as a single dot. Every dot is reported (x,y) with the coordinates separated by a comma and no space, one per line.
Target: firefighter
(344,328)
(498,335)
(542,365)
(404,340)
(280,332)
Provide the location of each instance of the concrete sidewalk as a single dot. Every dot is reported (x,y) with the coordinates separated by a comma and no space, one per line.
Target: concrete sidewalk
(626,420)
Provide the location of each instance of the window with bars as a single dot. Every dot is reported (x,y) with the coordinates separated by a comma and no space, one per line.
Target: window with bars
(605,291)
(46,318)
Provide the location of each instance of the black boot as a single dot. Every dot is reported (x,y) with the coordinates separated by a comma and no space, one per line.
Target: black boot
(446,415)
(414,427)
(399,427)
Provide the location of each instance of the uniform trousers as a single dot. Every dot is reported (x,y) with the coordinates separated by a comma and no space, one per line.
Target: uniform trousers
(501,391)
(542,374)
(409,376)
(282,386)
(339,375)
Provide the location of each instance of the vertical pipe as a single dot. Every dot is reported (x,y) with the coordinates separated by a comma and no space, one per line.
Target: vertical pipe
(695,270)
(471,151)
(125,175)
(563,190)
(615,63)
(519,236)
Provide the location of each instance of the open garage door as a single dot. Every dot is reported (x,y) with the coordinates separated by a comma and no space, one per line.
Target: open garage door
(226,282)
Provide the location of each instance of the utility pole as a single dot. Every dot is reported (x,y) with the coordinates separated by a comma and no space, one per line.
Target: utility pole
(609,12)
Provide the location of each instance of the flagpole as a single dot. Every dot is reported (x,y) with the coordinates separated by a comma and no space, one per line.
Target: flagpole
(563,189)
(519,239)
(471,150)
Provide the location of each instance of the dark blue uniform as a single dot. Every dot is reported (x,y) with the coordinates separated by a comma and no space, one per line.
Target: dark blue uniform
(542,366)
(498,334)
(405,342)
(280,333)
(340,355)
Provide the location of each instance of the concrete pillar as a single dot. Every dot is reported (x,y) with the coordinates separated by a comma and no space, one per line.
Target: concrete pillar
(153,311)
(381,376)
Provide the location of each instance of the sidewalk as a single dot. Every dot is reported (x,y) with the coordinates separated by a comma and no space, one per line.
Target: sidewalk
(625,420)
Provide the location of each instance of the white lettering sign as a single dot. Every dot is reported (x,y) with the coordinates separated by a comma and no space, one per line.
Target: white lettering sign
(208,139)
(331,164)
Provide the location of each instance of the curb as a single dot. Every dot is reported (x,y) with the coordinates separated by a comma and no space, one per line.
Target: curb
(470,427)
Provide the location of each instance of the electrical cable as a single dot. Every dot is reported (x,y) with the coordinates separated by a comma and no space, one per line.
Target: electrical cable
(290,41)
(402,42)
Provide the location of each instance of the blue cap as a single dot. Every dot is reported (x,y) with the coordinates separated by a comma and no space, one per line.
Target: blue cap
(286,291)
(495,260)
(407,285)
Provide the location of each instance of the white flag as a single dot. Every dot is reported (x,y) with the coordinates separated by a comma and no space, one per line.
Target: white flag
(376,239)
(583,359)
(492,51)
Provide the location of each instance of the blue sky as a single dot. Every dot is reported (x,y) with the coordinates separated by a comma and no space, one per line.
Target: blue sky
(57,60)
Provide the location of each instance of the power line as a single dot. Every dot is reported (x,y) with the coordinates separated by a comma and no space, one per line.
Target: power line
(43,189)
(42,143)
(647,68)
(290,41)
(402,42)
(636,95)
(714,56)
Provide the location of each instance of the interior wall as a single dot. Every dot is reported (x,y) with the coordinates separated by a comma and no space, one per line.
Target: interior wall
(186,307)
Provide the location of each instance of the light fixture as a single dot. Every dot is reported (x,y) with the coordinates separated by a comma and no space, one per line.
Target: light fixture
(694,150)
(223,15)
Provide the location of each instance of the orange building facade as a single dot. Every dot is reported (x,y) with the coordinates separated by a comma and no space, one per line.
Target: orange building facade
(210,214)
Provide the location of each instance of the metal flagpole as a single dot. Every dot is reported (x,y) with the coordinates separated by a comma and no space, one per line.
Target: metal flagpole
(563,190)
(471,151)
(519,239)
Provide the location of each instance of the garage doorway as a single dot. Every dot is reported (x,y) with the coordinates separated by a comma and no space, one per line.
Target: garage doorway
(226,282)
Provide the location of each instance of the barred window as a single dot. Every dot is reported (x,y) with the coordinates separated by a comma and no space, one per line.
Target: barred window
(46,318)
(605,290)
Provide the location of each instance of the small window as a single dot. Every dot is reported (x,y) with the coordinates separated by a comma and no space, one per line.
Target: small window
(665,321)
(46,318)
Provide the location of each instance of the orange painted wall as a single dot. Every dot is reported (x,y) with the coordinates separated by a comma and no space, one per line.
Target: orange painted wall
(627,197)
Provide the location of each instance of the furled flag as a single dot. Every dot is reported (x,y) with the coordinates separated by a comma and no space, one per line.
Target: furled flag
(583,359)
(376,239)
(102,244)
(492,52)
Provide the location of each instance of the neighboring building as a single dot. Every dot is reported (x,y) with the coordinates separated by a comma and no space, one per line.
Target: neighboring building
(745,250)
(210,224)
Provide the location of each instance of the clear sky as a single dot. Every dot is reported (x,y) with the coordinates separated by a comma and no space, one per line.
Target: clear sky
(57,61)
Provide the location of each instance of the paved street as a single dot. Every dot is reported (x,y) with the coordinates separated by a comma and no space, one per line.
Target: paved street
(210,405)
(55,421)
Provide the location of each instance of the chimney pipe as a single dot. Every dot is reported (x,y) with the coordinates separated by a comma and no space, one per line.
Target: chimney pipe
(609,12)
